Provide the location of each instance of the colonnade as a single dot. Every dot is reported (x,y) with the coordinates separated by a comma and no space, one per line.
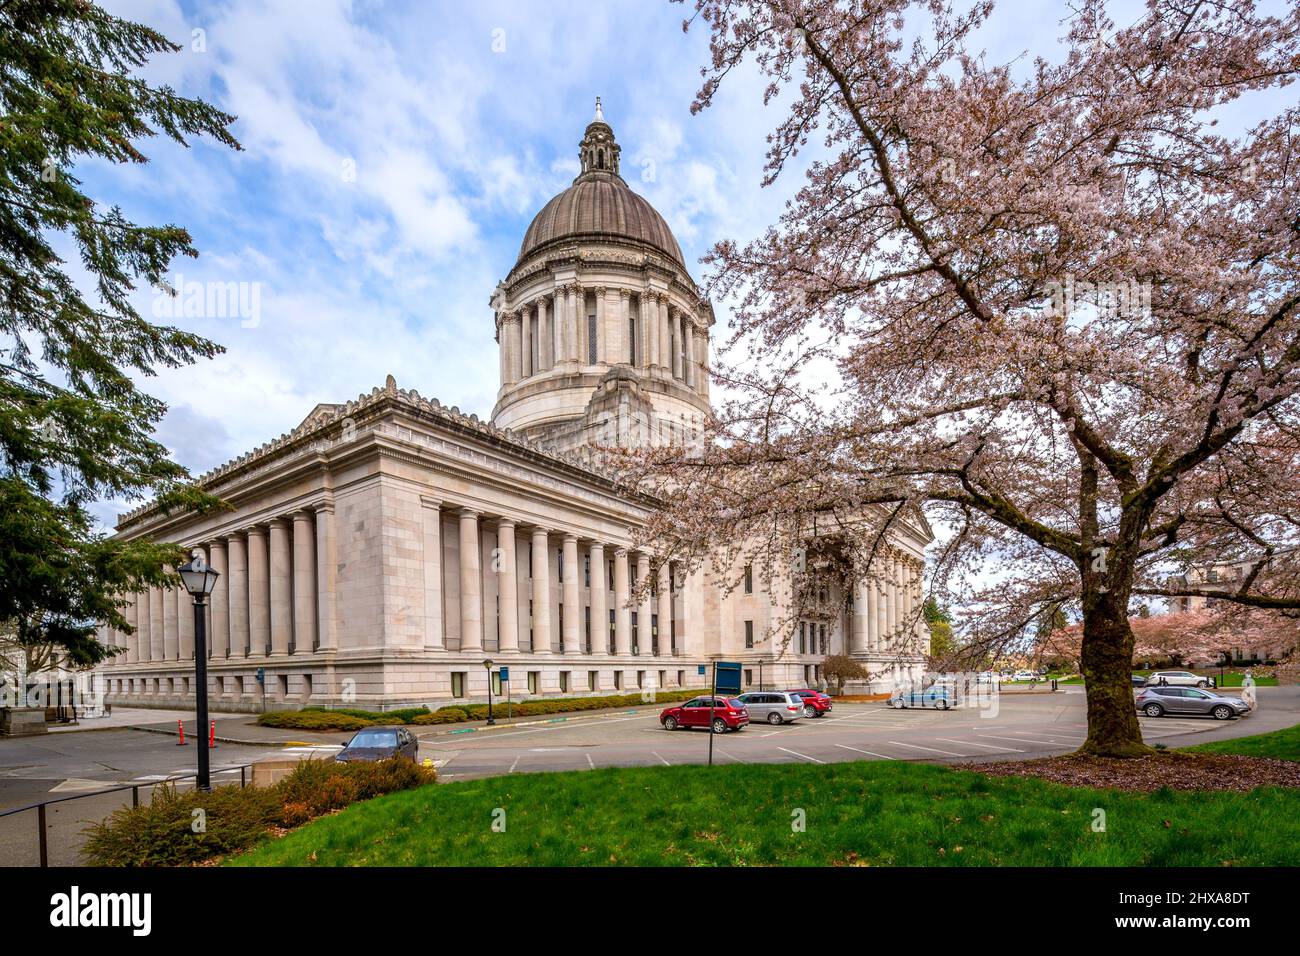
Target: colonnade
(885,606)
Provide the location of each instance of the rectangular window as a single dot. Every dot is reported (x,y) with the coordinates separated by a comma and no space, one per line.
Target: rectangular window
(822,630)
(654,634)
(531,643)
(593,679)
(533,681)
(586,572)
(749,677)
(631,339)
(564,682)
(559,564)
(591,339)
(663,680)
(587,627)
(749,633)
(635,636)
(618,680)
(457,683)
(681,678)
(749,579)
(640,680)
(803,638)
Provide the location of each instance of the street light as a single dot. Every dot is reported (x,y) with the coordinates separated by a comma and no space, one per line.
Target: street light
(487,664)
(199,580)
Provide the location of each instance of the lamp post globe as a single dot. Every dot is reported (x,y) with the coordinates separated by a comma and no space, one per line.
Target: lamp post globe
(199,579)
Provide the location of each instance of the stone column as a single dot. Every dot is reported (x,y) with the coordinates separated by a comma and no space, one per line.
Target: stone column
(701,362)
(515,333)
(171,626)
(545,334)
(571,336)
(644,609)
(431,532)
(619,342)
(219,601)
(281,587)
(156,640)
(471,583)
(891,600)
(650,329)
(132,640)
(304,582)
(237,594)
(622,613)
(882,605)
(525,345)
(664,583)
(326,577)
(599,600)
(144,644)
(570,627)
(665,338)
(259,594)
(541,592)
(602,334)
(872,611)
(859,628)
(183,605)
(508,587)
(503,349)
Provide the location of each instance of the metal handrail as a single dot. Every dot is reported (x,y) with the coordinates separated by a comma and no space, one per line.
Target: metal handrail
(135,800)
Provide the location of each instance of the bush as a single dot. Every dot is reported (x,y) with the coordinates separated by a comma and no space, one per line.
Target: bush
(444,715)
(313,720)
(161,833)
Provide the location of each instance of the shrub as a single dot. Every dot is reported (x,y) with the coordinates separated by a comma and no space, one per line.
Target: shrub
(312,720)
(161,833)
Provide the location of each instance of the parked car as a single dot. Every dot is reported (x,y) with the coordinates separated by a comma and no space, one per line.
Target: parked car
(932,696)
(728,713)
(379,743)
(1179,679)
(1160,700)
(1025,675)
(774,706)
(815,703)
(986,677)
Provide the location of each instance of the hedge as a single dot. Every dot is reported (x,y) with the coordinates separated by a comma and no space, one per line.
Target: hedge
(162,832)
(316,718)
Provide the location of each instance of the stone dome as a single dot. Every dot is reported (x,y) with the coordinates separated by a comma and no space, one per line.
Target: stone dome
(600,206)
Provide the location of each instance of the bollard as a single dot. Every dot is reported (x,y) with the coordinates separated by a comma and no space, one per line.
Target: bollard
(180,729)
(212,736)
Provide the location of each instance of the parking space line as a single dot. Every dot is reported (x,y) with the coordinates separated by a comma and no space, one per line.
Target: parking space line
(946,753)
(867,752)
(804,756)
(1021,740)
(1048,733)
(971,743)
(661,759)
(728,756)
(515,764)
(590,763)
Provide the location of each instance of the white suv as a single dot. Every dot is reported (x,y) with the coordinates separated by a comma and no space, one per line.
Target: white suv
(1178,679)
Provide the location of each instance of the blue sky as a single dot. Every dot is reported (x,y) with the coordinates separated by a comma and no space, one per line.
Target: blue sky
(394,153)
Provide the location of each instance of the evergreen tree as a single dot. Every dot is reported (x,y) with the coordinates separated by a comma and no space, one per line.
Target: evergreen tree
(74,428)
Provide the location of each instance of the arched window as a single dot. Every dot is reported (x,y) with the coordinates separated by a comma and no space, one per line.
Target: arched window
(600,159)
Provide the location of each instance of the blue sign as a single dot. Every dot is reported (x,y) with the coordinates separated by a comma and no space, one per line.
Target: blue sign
(261,675)
(726,677)
(701,672)
(505,673)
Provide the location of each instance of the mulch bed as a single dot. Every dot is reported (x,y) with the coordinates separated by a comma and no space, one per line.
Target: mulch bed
(1178,771)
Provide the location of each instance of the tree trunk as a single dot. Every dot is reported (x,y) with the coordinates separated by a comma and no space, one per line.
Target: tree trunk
(1107,662)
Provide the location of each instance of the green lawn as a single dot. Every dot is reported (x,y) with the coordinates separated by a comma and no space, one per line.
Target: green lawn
(869,813)
(1282,744)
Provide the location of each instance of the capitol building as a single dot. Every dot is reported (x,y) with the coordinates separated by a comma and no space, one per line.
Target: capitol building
(376,555)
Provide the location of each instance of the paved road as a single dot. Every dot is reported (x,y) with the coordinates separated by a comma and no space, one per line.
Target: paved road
(1023,726)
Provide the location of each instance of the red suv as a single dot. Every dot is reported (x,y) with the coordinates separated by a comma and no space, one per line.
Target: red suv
(728,714)
(815,703)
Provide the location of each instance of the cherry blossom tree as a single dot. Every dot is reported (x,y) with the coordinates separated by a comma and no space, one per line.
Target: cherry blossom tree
(1050,303)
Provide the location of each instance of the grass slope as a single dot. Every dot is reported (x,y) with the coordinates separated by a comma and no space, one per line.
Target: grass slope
(869,813)
(1281,744)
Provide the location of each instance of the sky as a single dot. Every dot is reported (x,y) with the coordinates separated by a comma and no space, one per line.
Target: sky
(393,156)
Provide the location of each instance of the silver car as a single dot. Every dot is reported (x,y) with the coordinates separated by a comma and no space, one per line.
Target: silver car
(774,706)
(1158,701)
(1178,679)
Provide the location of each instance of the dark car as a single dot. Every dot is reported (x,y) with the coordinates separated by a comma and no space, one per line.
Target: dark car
(815,703)
(1137,680)
(727,713)
(379,743)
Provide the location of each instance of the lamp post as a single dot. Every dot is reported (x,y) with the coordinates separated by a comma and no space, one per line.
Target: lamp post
(199,580)
(487,664)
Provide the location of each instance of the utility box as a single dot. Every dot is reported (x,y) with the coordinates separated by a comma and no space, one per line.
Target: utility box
(22,721)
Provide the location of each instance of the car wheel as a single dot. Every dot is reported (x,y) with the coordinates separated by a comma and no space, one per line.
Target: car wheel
(942,704)
(897,703)
(809,711)
(1153,710)
(774,718)
(670,723)
(1202,683)
(1222,712)
(719,725)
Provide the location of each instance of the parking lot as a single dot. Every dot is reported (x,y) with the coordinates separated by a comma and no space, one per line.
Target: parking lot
(1022,726)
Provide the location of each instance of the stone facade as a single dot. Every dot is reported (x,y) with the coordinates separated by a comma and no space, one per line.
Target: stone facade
(382,550)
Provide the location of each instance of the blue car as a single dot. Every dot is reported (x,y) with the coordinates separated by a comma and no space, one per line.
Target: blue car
(933,696)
